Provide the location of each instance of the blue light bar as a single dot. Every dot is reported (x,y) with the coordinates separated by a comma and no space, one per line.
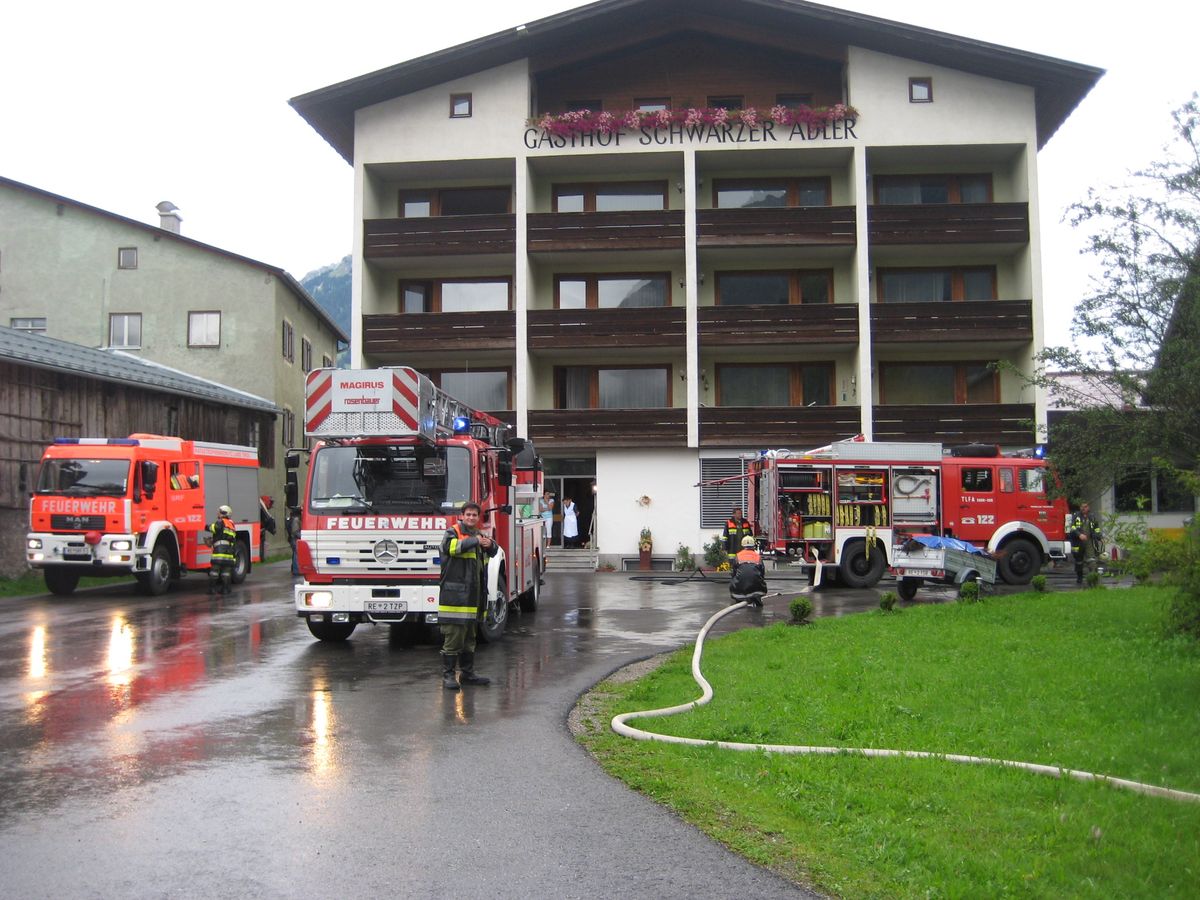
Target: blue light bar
(462,425)
(66,440)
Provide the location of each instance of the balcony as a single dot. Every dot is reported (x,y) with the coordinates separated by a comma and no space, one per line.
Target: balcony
(414,332)
(587,231)
(826,323)
(1010,321)
(576,429)
(438,236)
(827,226)
(1010,424)
(794,427)
(557,329)
(949,223)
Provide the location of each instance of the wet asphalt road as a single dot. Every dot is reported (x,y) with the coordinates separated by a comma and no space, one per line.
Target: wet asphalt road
(194,746)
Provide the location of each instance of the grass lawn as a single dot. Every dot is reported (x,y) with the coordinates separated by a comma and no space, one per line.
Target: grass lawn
(1079,680)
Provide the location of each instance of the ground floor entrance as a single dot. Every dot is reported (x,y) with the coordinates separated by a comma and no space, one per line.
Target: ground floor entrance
(572,480)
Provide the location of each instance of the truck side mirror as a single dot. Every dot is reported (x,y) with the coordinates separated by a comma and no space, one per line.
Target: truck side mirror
(149,477)
(291,460)
(291,490)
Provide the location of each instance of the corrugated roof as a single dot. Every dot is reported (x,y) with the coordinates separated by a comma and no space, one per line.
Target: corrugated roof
(120,367)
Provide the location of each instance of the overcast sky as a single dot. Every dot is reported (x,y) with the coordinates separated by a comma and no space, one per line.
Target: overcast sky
(124,104)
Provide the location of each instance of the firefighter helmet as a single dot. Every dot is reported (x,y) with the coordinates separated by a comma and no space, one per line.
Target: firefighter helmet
(224,510)
(749,542)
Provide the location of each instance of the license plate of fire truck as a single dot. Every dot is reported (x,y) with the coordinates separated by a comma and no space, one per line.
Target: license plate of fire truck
(386,606)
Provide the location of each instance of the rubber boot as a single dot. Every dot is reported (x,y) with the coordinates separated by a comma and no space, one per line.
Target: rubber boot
(468,670)
(449,663)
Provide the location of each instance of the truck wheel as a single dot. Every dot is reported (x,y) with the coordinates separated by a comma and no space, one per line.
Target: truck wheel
(529,599)
(1020,561)
(241,562)
(860,570)
(61,581)
(157,579)
(330,631)
(495,617)
(907,588)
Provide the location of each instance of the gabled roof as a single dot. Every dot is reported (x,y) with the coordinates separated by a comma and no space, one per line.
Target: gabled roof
(1059,85)
(161,233)
(43,352)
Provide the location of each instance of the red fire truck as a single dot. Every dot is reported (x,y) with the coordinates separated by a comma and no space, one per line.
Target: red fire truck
(396,460)
(847,505)
(105,506)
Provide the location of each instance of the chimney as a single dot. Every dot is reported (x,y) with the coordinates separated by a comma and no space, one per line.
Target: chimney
(168,216)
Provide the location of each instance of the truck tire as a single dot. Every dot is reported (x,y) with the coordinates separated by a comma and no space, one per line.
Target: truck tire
(331,632)
(155,581)
(495,617)
(60,580)
(860,570)
(1020,561)
(529,599)
(906,588)
(241,562)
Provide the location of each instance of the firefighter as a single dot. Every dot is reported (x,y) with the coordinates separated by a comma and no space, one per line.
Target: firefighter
(736,529)
(1085,541)
(461,599)
(223,538)
(749,581)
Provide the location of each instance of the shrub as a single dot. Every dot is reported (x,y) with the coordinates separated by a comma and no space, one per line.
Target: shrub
(968,592)
(801,609)
(887,601)
(1183,609)
(714,552)
(1039,583)
(683,559)
(1092,579)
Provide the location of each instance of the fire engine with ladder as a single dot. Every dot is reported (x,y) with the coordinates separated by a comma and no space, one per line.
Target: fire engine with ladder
(850,505)
(395,460)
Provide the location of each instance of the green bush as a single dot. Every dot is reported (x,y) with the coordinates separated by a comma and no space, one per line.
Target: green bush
(968,592)
(1039,583)
(714,552)
(683,559)
(1092,580)
(1183,609)
(801,609)
(887,601)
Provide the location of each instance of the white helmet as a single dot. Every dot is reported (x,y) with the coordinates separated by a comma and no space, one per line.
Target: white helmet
(224,510)
(749,542)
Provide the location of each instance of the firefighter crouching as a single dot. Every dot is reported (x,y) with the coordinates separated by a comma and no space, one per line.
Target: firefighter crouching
(223,538)
(749,581)
(461,600)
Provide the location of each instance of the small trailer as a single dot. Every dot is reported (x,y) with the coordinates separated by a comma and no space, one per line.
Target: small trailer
(942,560)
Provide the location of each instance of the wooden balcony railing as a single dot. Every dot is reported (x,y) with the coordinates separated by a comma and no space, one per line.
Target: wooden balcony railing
(722,326)
(811,225)
(794,427)
(984,423)
(586,428)
(400,332)
(438,236)
(974,320)
(634,327)
(638,230)
(949,223)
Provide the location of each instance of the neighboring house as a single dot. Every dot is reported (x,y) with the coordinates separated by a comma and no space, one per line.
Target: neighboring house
(650,235)
(51,389)
(81,274)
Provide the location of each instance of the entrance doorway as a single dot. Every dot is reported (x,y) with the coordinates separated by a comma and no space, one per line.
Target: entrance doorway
(575,480)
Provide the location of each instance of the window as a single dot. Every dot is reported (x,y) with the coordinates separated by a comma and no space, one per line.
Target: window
(774,288)
(127,258)
(474,201)
(722,487)
(793,100)
(125,331)
(288,427)
(595,105)
(456,295)
(305,355)
(172,420)
(289,341)
(1144,490)
(977,480)
(651,104)
(478,388)
(918,285)
(30,324)
(949,383)
(204,330)
(783,384)
(924,189)
(746,193)
(326,362)
(619,197)
(920,90)
(585,387)
(612,291)
(460,106)
(726,102)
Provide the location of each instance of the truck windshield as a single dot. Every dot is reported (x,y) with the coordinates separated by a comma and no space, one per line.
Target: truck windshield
(390,479)
(84,477)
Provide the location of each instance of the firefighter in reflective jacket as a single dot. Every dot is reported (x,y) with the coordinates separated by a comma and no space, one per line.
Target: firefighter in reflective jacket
(737,528)
(223,537)
(461,600)
(749,580)
(1085,542)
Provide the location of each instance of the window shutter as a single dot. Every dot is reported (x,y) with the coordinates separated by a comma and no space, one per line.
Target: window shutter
(718,500)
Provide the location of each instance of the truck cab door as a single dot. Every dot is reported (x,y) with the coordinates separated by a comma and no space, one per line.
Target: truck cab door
(1032,504)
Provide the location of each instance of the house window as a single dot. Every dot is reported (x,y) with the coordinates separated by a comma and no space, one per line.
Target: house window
(172,420)
(460,106)
(619,197)
(253,434)
(651,104)
(774,288)
(783,384)
(288,427)
(127,258)
(289,341)
(793,100)
(920,90)
(612,291)
(416,297)
(125,331)
(204,330)
(920,285)
(305,355)
(30,324)
(726,102)
(474,201)
(590,105)
(946,383)
(480,389)
(1143,490)
(456,295)
(759,193)
(326,362)
(924,189)
(588,387)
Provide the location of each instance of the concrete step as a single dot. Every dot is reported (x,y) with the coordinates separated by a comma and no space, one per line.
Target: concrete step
(558,560)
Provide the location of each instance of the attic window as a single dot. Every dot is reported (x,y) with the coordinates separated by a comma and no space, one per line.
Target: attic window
(920,90)
(127,257)
(460,106)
